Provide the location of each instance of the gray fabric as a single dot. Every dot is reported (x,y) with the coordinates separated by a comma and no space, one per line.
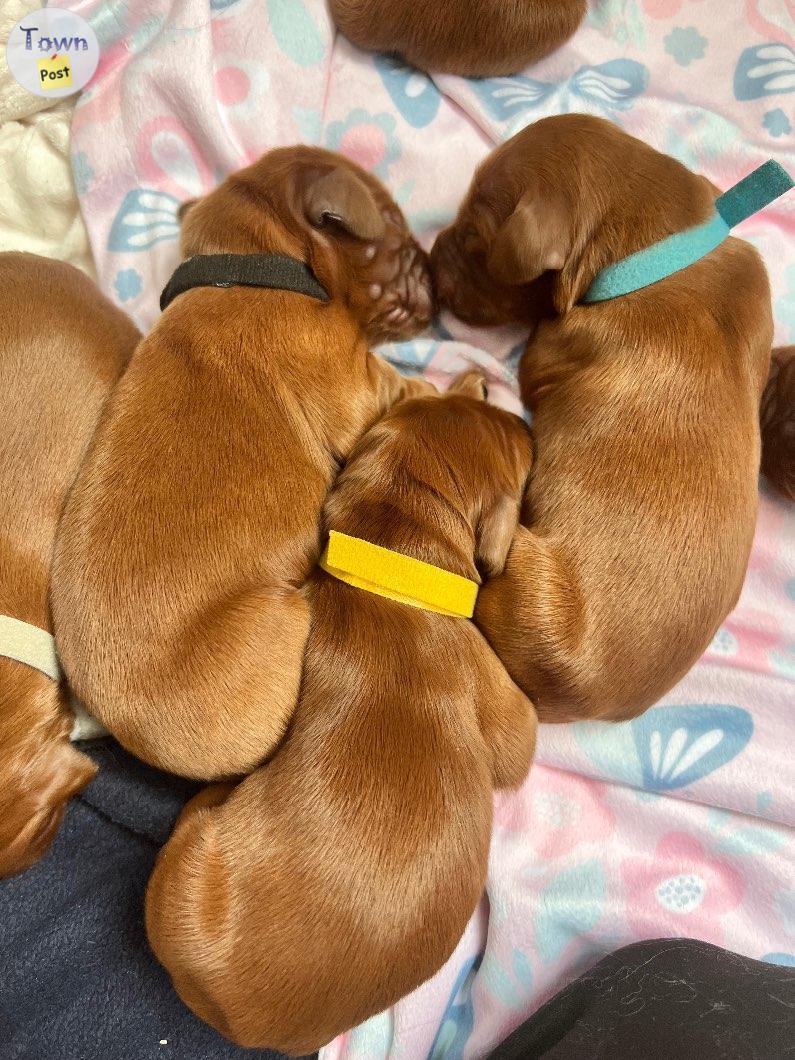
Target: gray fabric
(665,999)
(77,979)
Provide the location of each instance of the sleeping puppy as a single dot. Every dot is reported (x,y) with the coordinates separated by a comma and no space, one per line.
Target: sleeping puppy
(195,520)
(474,38)
(62,347)
(640,514)
(778,423)
(341,875)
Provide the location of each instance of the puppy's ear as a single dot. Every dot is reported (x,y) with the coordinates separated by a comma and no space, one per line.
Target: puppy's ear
(341,197)
(534,239)
(184,207)
(471,383)
(494,534)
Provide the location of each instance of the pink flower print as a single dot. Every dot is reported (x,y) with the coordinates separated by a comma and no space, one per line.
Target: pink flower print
(368,139)
(767,30)
(680,891)
(662,8)
(746,640)
(554,812)
(170,160)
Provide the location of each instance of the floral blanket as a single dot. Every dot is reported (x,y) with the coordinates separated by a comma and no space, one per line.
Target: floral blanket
(679,823)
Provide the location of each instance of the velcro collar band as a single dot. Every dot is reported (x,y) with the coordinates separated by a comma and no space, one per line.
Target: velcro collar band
(676,252)
(398,577)
(277,272)
(30,645)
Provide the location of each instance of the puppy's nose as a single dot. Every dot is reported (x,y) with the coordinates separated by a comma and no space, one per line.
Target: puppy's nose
(424,301)
(445,285)
(444,273)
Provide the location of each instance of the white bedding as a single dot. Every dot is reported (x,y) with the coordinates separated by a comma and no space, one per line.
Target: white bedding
(39,211)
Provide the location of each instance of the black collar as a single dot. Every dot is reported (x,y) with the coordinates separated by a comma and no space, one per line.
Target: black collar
(275,271)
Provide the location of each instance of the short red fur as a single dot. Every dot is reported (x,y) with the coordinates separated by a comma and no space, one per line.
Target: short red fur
(639,517)
(62,348)
(341,875)
(180,562)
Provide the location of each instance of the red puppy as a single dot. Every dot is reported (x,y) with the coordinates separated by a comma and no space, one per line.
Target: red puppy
(177,590)
(640,514)
(474,38)
(341,875)
(62,348)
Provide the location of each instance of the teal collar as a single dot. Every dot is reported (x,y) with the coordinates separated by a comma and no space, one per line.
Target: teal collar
(670,255)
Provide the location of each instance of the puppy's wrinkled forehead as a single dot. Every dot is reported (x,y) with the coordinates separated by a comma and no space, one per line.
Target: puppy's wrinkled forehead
(324,210)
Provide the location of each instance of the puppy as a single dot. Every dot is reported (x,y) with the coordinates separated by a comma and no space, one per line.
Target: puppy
(474,38)
(177,594)
(778,423)
(640,514)
(341,875)
(62,348)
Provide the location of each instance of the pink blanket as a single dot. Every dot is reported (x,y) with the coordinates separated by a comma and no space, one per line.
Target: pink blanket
(679,823)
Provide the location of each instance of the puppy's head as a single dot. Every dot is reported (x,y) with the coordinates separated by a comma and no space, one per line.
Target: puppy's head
(330,213)
(451,464)
(549,209)
(40,769)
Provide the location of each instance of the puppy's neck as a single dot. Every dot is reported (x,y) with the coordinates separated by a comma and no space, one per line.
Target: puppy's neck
(418,522)
(242,323)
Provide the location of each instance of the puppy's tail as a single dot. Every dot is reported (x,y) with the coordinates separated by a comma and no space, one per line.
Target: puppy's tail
(777,420)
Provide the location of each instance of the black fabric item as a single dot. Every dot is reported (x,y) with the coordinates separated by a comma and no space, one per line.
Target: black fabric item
(77,978)
(275,271)
(666,999)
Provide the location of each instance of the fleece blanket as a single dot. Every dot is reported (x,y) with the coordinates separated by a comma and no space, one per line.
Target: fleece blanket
(39,212)
(679,823)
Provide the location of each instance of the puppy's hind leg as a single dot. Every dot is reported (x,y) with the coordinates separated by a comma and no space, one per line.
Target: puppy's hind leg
(251,647)
(508,723)
(532,614)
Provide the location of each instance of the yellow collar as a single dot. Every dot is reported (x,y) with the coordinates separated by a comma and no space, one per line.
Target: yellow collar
(397,577)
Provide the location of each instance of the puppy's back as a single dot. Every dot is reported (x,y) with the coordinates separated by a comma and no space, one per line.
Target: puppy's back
(474,38)
(62,347)
(368,844)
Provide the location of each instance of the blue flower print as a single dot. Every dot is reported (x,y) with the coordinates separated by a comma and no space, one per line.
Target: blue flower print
(295,30)
(777,123)
(685,45)
(128,284)
(765,70)
(144,218)
(459,1018)
(669,747)
(610,86)
(413,93)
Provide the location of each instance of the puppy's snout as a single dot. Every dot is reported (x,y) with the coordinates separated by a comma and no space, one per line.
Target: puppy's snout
(445,287)
(444,270)
(420,288)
